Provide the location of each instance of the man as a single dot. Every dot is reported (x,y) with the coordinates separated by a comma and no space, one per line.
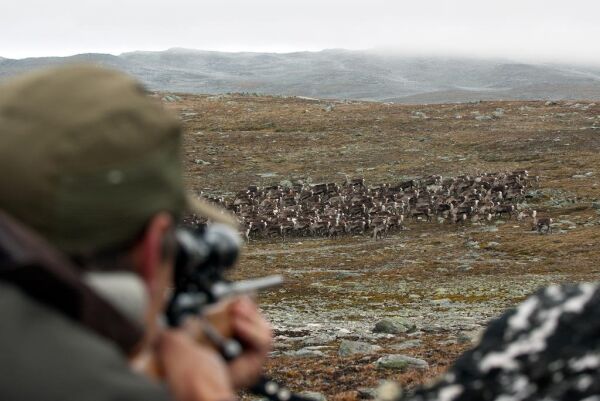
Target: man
(90,192)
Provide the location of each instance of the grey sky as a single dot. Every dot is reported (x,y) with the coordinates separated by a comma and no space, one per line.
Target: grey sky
(544,30)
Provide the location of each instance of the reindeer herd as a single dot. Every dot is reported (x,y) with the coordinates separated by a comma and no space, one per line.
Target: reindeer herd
(332,210)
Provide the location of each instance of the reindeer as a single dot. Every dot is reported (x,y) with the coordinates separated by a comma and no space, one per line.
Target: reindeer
(504,209)
(415,214)
(543,222)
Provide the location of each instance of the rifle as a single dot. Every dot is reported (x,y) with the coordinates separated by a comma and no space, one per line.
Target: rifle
(204,255)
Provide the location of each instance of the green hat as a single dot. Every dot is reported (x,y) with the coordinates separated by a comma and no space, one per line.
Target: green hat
(87,157)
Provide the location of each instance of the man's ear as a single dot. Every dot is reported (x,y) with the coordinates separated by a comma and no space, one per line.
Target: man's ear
(147,252)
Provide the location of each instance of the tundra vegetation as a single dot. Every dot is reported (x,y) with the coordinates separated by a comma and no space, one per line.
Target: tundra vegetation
(366,304)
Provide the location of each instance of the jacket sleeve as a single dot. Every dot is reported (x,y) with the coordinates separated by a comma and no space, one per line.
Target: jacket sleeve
(45,356)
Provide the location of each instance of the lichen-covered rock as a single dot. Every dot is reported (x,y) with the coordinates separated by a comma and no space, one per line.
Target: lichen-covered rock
(348,348)
(306,353)
(394,325)
(406,345)
(314,396)
(400,362)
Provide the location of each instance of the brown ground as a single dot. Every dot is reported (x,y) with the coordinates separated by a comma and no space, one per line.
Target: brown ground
(430,274)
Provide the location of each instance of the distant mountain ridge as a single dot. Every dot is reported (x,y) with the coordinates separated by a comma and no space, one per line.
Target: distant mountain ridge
(340,74)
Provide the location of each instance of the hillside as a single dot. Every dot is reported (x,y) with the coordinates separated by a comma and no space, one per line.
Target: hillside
(341,74)
(440,282)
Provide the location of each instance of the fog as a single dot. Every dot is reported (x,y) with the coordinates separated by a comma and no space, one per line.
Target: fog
(529,30)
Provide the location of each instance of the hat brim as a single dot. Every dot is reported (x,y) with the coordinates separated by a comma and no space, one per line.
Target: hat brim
(215,214)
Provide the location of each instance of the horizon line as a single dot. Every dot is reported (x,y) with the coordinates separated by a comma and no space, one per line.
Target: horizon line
(383,49)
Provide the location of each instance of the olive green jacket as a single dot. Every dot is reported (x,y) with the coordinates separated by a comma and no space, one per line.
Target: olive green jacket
(59,340)
(46,356)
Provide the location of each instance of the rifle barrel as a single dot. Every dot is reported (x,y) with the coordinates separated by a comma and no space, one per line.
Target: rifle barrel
(223,290)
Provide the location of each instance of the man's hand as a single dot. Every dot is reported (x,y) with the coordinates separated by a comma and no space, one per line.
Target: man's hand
(252,329)
(192,371)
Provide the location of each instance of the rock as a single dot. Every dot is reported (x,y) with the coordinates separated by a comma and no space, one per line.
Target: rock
(471,336)
(394,325)
(318,340)
(406,345)
(267,175)
(305,353)
(472,244)
(400,362)
(286,183)
(343,275)
(171,98)
(433,328)
(366,393)
(489,229)
(499,112)
(596,205)
(389,391)
(483,118)
(492,244)
(202,162)
(348,348)
(419,114)
(313,395)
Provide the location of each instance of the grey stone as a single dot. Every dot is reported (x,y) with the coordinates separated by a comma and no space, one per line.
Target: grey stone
(366,393)
(483,118)
(318,340)
(389,391)
(348,348)
(406,345)
(419,114)
(433,328)
(313,395)
(472,244)
(394,325)
(400,362)
(306,353)
(267,175)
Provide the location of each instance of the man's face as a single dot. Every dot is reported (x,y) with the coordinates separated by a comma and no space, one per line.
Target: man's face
(156,265)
